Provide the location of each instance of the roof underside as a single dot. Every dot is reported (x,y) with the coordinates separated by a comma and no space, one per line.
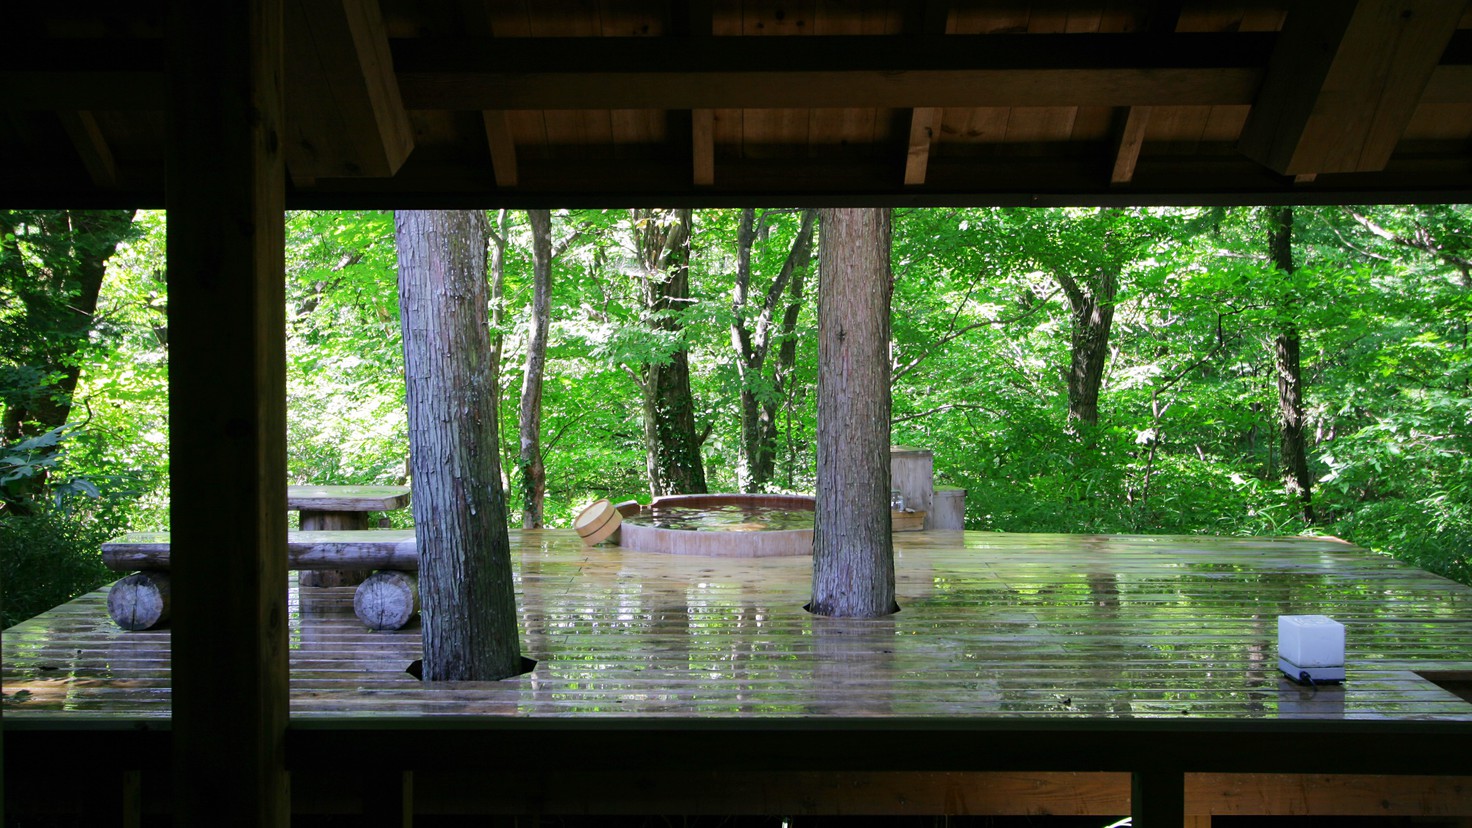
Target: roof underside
(612,102)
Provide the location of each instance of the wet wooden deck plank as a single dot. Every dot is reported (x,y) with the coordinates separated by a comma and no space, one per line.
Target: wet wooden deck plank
(1017,626)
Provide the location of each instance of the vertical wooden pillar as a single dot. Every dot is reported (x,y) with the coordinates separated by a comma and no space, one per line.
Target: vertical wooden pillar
(1158,798)
(227,398)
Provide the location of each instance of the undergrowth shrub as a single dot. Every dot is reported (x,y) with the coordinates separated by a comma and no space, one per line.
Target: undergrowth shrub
(47,558)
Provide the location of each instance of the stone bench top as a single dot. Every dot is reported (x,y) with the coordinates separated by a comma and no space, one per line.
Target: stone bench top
(347,498)
(325,549)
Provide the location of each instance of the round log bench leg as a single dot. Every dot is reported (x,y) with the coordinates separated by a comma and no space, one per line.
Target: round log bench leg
(311,520)
(387,600)
(140,601)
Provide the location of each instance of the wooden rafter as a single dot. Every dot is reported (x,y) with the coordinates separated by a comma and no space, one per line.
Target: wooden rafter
(1344,81)
(503,146)
(924,124)
(1127,145)
(931,17)
(92,146)
(345,117)
(695,20)
(1162,20)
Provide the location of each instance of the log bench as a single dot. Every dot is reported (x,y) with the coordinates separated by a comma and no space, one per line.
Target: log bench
(340,507)
(387,600)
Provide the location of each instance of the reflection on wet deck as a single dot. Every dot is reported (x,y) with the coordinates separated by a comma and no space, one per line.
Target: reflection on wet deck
(991,625)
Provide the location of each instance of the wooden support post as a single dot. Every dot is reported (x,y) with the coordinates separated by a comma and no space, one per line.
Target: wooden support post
(1158,798)
(227,395)
(132,799)
(388,799)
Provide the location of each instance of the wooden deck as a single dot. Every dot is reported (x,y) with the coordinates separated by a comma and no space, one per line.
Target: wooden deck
(991,625)
(1082,637)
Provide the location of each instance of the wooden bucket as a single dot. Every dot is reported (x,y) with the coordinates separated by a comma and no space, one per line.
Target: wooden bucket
(598,522)
(906,521)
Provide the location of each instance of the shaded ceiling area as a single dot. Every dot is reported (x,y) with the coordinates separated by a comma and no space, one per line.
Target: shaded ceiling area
(491,103)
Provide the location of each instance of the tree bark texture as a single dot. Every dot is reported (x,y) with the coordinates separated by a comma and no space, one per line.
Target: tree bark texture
(469,609)
(529,460)
(1286,346)
(672,445)
(761,394)
(1091,305)
(853,553)
(59,297)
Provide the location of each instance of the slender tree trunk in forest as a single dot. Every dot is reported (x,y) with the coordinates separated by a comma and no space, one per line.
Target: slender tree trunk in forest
(853,553)
(467,603)
(497,277)
(1092,315)
(59,296)
(759,394)
(533,473)
(672,445)
(785,392)
(1286,347)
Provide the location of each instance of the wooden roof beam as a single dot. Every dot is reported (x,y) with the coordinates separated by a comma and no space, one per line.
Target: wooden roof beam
(839,71)
(92,146)
(696,19)
(1343,82)
(931,17)
(339,52)
(1162,19)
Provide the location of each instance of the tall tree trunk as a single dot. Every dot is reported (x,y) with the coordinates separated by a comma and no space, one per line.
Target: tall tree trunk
(748,366)
(792,393)
(759,392)
(1286,346)
(853,553)
(1091,317)
(468,606)
(533,473)
(786,394)
(59,296)
(672,445)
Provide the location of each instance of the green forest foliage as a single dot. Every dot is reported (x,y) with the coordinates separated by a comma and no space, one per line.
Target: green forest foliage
(1187,440)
